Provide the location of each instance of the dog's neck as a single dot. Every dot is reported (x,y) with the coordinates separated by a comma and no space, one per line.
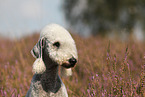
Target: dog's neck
(50,80)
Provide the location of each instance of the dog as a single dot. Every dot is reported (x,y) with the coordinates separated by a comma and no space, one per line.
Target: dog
(55,48)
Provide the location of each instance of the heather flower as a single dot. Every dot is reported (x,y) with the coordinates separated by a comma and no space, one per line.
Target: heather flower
(97,75)
(119,72)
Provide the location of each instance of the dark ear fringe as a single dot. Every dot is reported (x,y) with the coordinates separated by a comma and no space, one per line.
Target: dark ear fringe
(36,49)
(33,53)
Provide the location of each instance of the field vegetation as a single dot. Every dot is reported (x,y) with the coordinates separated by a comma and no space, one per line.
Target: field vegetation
(106,67)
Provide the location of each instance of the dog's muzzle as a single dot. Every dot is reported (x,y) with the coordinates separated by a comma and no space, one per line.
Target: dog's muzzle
(72,61)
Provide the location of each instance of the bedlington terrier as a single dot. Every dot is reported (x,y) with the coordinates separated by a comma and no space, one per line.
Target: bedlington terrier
(55,48)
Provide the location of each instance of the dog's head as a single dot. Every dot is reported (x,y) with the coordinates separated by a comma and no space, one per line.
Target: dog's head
(57,45)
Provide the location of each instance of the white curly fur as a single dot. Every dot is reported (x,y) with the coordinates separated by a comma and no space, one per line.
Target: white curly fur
(52,33)
(38,66)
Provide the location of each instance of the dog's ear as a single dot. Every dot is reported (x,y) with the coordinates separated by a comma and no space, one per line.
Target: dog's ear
(36,51)
(38,65)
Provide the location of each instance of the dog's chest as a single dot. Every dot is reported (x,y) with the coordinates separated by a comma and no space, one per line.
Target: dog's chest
(37,91)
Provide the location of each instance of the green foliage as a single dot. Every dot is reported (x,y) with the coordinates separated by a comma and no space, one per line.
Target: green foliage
(101,16)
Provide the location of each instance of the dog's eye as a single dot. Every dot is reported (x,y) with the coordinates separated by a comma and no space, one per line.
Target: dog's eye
(56,44)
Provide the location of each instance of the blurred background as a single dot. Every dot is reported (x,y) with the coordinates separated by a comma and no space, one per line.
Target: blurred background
(109,36)
(111,18)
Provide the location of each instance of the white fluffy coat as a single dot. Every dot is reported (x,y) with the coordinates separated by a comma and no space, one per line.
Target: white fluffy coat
(46,81)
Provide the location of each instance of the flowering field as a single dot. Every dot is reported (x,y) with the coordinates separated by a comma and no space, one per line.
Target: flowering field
(106,68)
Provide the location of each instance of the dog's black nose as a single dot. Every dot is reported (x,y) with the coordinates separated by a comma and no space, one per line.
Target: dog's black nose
(72,61)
